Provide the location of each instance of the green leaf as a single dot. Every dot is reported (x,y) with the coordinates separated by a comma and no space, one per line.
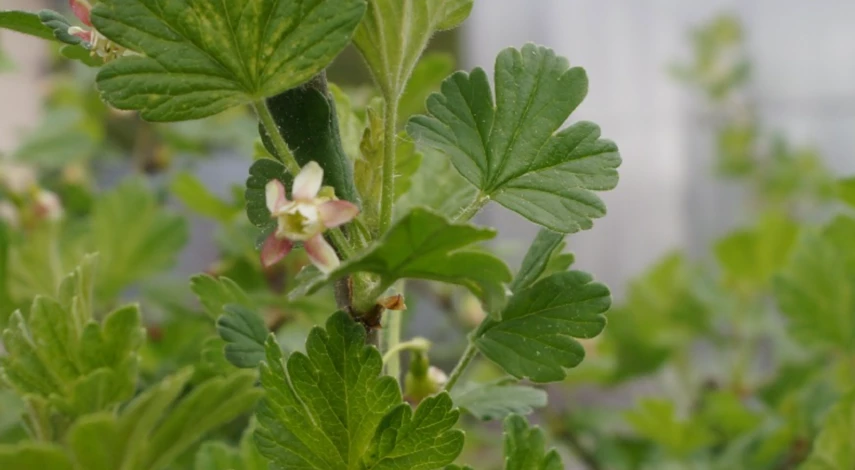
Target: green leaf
(411,23)
(426,79)
(424,245)
(260,173)
(525,447)
(816,292)
(846,190)
(656,420)
(496,401)
(209,406)
(834,447)
(332,409)
(94,440)
(751,257)
(535,337)
(245,334)
(215,292)
(537,259)
(201,58)
(26,23)
(306,118)
(193,193)
(513,151)
(29,455)
(135,237)
(216,456)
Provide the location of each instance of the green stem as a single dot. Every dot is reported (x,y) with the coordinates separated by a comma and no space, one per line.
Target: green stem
(469,354)
(393,345)
(387,190)
(341,242)
(415,344)
(282,150)
(469,211)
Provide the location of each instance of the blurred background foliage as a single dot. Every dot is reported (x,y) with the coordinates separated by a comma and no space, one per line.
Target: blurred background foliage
(727,361)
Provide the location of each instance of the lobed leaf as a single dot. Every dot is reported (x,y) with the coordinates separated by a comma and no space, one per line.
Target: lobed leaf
(535,336)
(245,333)
(198,58)
(332,409)
(525,447)
(492,401)
(834,447)
(513,150)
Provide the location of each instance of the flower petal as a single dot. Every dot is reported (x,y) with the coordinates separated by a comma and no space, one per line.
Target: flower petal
(335,213)
(83,34)
(81,10)
(274,249)
(308,182)
(321,254)
(274,194)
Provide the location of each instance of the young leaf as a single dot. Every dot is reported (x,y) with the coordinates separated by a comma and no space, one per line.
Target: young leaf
(525,447)
(28,455)
(193,193)
(834,448)
(496,401)
(134,236)
(216,456)
(427,78)
(535,336)
(846,190)
(512,151)
(201,58)
(751,257)
(536,259)
(215,293)
(411,23)
(332,409)
(424,245)
(814,291)
(245,334)
(655,419)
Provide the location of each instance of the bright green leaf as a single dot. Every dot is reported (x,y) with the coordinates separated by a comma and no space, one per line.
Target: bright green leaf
(846,190)
(535,336)
(411,23)
(656,420)
(525,447)
(816,292)
(193,193)
(497,401)
(752,257)
(331,409)
(34,455)
(513,151)
(134,236)
(201,58)
(216,456)
(427,78)
(215,293)
(834,448)
(245,334)
(94,440)
(424,245)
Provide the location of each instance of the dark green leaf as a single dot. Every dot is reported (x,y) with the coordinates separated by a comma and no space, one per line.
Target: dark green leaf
(535,337)
(332,409)
(536,259)
(260,173)
(424,245)
(201,58)
(513,151)
(306,118)
(25,22)
(245,333)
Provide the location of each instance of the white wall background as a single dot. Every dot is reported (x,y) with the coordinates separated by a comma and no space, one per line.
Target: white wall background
(804,76)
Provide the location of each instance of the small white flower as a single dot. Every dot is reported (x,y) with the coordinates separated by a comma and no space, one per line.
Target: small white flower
(9,214)
(17,179)
(304,219)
